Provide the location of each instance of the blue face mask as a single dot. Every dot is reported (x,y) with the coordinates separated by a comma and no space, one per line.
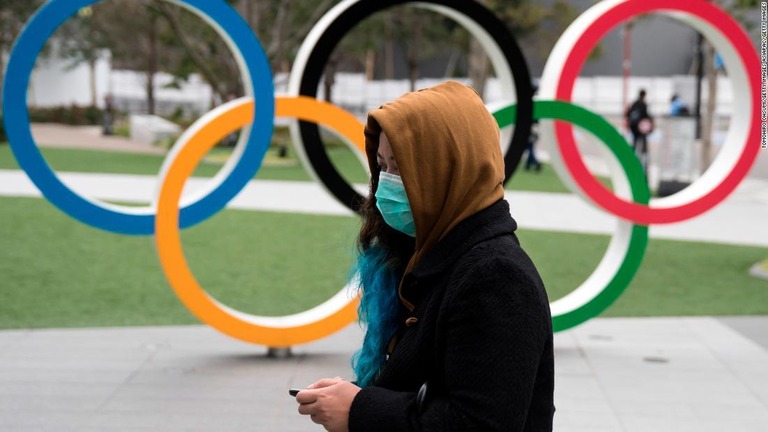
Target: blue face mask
(392,202)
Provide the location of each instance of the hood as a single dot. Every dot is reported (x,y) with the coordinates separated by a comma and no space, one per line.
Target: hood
(446,145)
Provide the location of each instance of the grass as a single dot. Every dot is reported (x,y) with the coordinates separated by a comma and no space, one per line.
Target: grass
(94,161)
(273,168)
(675,277)
(56,272)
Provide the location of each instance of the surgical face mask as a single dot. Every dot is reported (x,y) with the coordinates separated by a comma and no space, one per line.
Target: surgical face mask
(392,202)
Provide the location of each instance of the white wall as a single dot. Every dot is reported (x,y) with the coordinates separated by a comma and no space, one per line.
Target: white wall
(602,94)
(54,82)
(129,91)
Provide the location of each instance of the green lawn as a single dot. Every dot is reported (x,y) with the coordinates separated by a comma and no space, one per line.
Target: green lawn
(57,272)
(273,168)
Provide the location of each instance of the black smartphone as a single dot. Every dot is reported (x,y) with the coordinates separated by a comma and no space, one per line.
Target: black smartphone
(293,392)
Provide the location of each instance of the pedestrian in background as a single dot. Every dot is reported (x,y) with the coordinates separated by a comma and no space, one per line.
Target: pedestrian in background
(640,125)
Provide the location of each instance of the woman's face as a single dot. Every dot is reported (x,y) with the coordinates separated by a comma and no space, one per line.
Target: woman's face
(385,158)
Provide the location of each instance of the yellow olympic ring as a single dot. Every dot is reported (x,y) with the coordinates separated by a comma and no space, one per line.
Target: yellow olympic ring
(271,331)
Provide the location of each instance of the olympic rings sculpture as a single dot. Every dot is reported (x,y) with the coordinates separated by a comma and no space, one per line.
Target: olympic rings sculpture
(254,113)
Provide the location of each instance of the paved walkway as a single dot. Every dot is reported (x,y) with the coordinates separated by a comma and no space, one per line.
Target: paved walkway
(87,137)
(617,374)
(739,220)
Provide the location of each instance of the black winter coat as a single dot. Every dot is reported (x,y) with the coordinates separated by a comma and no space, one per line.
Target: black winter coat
(481,340)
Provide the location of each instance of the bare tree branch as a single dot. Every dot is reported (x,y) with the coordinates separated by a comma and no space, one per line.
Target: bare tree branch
(278,29)
(194,55)
(308,24)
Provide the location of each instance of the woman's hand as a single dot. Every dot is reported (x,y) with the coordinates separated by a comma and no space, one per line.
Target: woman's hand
(327,402)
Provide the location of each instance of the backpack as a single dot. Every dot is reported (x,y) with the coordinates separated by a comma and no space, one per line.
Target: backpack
(634,115)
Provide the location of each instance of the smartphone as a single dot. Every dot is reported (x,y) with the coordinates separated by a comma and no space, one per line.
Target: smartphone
(294,391)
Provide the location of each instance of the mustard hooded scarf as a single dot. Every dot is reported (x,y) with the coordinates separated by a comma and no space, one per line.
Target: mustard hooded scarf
(446,145)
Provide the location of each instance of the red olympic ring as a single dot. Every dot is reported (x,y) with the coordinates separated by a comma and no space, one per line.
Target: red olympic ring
(598,193)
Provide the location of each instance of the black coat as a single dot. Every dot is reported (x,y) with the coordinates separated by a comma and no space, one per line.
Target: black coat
(481,340)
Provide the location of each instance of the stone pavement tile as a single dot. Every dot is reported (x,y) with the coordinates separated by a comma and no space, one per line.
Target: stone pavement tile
(114,360)
(757,383)
(753,327)
(582,387)
(568,428)
(728,412)
(656,333)
(327,358)
(694,415)
(68,357)
(37,375)
(723,341)
(671,386)
(160,421)
(312,367)
(47,389)
(164,406)
(193,337)
(673,411)
(677,382)
(675,373)
(652,361)
(26,406)
(82,402)
(582,420)
(746,359)
(219,388)
(80,344)
(247,377)
(580,403)
(9,338)
(663,424)
(49,421)
(574,402)
(347,340)
(202,403)
(569,356)
(211,390)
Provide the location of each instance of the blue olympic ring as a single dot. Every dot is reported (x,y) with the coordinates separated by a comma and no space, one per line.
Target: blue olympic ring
(254,64)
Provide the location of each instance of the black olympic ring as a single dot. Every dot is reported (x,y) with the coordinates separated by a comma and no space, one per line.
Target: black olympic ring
(342,24)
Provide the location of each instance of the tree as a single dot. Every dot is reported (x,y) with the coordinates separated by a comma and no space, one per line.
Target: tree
(13,15)
(201,50)
(136,37)
(537,27)
(280,26)
(419,34)
(422,35)
(83,40)
(521,17)
(740,10)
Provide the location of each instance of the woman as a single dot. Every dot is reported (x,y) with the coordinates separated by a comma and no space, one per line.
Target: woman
(459,331)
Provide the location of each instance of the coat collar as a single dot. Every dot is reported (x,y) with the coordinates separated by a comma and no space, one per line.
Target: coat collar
(488,223)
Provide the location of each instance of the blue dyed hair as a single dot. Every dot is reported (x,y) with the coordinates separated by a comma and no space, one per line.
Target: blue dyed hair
(378,311)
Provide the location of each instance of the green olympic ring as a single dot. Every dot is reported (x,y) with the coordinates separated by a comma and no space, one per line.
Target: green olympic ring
(625,252)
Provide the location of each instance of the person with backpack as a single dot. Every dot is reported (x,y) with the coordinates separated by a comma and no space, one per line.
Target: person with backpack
(640,125)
